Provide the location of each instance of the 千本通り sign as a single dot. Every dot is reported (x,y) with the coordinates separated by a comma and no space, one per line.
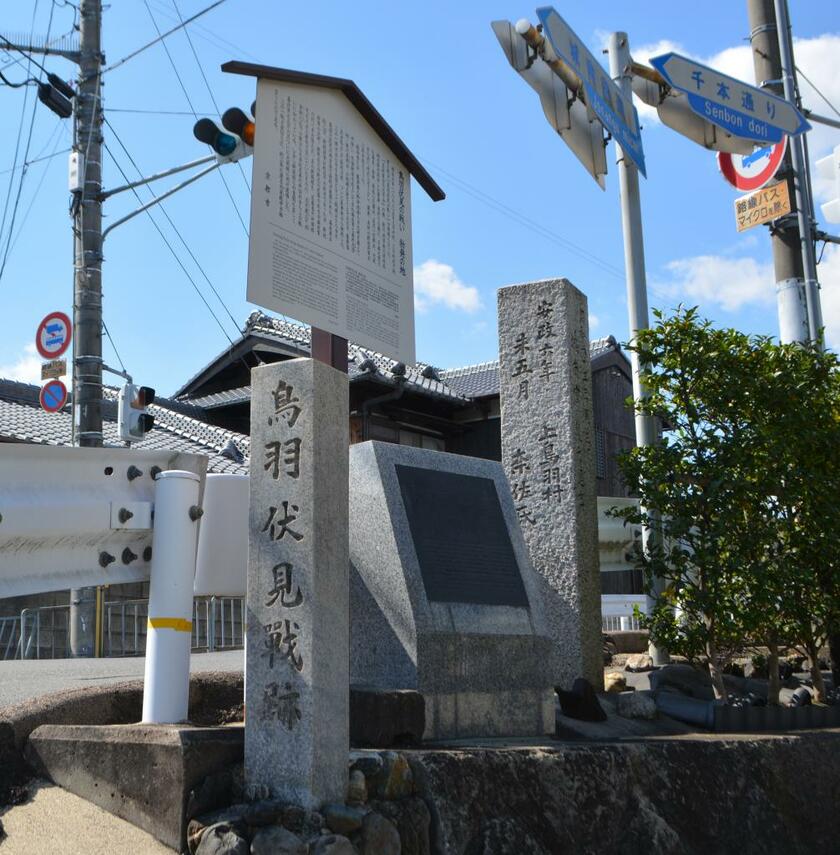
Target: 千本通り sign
(741,109)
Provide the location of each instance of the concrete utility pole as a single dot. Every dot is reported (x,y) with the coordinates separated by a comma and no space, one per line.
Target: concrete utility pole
(87,282)
(87,228)
(788,246)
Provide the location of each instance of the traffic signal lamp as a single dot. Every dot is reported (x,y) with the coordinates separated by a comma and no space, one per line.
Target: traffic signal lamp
(232,142)
(828,168)
(134,421)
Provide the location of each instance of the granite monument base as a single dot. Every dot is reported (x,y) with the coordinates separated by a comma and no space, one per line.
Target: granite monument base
(442,594)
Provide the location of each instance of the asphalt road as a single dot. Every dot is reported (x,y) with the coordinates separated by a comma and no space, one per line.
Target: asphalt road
(22,680)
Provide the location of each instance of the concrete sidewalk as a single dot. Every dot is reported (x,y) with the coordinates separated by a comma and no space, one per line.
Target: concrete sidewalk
(57,822)
(22,680)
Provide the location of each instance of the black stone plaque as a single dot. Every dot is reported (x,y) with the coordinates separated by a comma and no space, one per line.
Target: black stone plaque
(461,538)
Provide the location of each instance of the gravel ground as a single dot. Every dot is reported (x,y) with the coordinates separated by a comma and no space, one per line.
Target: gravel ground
(22,680)
(57,822)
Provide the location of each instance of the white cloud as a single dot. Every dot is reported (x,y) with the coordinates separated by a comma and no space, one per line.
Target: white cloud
(716,280)
(438,283)
(732,284)
(27,367)
(594,320)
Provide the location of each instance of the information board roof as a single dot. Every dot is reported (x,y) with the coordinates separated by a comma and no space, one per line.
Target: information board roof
(358,99)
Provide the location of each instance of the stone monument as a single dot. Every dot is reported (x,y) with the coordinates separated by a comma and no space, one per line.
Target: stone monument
(297,687)
(443,597)
(548,452)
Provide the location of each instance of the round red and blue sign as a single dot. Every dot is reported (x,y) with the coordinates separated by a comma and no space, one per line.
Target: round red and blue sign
(752,171)
(53,336)
(53,396)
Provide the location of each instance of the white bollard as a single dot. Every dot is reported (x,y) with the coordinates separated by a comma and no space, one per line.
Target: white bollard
(169,630)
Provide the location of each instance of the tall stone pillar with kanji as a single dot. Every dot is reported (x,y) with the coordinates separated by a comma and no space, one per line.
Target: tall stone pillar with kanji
(296,667)
(548,452)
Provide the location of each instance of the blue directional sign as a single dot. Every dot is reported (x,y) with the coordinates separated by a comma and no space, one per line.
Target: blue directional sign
(615,112)
(740,109)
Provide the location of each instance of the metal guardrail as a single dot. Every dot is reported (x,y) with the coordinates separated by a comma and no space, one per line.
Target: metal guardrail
(44,633)
(619,623)
(9,637)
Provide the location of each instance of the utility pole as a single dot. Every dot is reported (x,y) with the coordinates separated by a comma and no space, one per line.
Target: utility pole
(787,244)
(87,282)
(799,159)
(634,265)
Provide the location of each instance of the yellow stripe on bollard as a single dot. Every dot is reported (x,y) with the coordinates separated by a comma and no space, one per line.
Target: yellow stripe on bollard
(176,623)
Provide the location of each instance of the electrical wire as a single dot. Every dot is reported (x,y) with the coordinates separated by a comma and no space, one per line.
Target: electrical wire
(170,247)
(158,112)
(25,168)
(176,230)
(113,345)
(207,84)
(162,36)
(16,85)
(528,223)
(209,36)
(192,107)
(814,87)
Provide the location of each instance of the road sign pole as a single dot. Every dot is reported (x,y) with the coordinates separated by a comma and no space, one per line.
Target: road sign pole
(634,265)
(801,183)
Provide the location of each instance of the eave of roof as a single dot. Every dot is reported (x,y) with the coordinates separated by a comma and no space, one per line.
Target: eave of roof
(359,100)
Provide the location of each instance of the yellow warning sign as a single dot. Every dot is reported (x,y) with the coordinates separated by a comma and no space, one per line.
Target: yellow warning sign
(762,206)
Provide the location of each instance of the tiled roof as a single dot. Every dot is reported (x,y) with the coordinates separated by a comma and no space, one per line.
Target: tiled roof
(178,426)
(420,377)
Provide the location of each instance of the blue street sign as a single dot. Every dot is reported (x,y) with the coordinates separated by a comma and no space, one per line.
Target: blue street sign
(740,109)
(615,112)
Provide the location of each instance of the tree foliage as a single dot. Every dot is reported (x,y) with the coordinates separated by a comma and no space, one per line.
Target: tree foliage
(745,486)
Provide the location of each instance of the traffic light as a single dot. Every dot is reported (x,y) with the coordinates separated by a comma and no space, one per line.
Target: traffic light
(234,142)
(134,421)
(828,168)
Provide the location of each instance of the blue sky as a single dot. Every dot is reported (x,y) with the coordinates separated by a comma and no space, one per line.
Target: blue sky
(519,206)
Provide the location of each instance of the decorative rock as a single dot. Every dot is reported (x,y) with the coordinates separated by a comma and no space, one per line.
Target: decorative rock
(367,762)
(332,844)
(344,819)
(636,705)
(582,702)
(614,682)
(413,821)
(637,662)
(357,788)
(266,812)
(275,840)
(222,839)
(379,836)
(294,818)
(394,780)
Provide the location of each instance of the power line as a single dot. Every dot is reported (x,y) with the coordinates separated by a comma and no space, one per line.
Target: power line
(162,36)
(814,87)
(168,244)
(180,236)
(189,101)
(210,36)
(113,345)
(159,112)
(26,150)
(207,84)
(528,223)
